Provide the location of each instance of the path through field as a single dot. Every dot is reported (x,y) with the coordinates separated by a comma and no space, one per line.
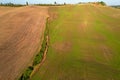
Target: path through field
(21,32)
(84,44)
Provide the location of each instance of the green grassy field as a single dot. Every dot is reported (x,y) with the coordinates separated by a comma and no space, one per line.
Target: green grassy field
(84,44)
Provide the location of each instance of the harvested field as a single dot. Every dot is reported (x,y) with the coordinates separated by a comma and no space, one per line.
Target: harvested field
(21,32)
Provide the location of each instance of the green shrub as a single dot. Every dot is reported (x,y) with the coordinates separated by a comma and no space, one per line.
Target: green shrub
(26,74)
(39,56)
(38,59)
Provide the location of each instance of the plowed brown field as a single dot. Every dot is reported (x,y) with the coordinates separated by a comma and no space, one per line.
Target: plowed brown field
(21,31)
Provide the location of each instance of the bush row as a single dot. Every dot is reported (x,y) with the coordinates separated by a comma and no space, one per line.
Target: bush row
(38,58)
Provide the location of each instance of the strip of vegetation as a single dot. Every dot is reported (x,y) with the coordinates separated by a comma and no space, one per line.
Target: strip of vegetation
(96,3)
(55,4)
(116,6)
(11,4)
(19,5)
(38,58)
(25,75)
(49,4)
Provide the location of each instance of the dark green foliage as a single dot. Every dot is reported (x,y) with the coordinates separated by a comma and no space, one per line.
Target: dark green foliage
(102,3)
(38,59)
(26,74)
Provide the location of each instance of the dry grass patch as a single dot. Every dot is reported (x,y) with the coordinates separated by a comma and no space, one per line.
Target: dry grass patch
(62,46)
(106,52)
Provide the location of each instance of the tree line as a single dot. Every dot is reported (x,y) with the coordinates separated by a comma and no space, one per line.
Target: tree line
(11,4)
(97,3)
(26,4)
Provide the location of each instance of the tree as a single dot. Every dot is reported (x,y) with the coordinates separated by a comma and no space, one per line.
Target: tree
(1,3)
(55,2)
(27,3)
(64,3)
(102,3)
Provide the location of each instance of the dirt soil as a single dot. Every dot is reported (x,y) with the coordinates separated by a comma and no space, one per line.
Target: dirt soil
(21,31)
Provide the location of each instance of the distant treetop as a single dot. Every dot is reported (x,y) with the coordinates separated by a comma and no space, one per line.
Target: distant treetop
(55,2)
(27,3)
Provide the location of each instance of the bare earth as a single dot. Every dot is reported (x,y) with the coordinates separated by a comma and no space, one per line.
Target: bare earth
(21,31)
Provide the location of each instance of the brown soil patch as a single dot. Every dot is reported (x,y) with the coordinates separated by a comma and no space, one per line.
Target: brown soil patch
(99,37)
(20,36)
(53,15)
(106,52)
(62,46)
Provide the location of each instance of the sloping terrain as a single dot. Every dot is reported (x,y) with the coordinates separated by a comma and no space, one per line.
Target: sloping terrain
(21,31)
(84,44)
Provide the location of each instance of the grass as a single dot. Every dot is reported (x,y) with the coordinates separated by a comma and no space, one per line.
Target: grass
(84,44)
